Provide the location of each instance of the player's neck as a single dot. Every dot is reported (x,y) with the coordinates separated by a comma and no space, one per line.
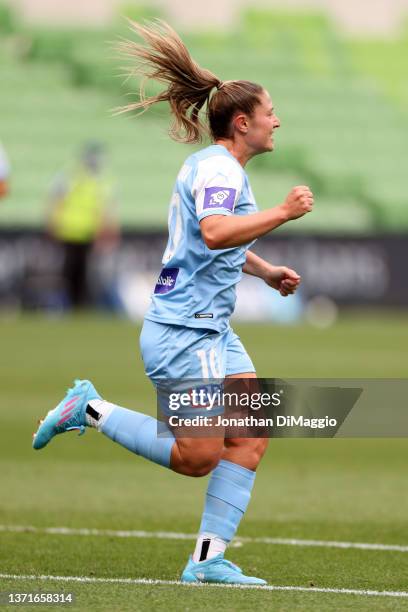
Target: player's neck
(238,149)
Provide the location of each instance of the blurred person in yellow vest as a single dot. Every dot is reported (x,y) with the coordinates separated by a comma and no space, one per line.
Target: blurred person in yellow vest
(4,173)
(82,218)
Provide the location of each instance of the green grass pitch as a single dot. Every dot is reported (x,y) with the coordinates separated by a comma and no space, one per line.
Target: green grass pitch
(331,490)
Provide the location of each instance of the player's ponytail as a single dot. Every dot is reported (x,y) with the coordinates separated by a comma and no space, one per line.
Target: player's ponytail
(166,59)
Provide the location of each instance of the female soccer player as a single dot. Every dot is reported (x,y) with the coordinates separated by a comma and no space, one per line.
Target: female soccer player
(213,220)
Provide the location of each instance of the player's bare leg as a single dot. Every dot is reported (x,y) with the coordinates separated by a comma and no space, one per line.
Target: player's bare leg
(196,456)
(246,452)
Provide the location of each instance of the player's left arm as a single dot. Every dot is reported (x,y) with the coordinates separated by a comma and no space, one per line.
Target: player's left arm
(283,279)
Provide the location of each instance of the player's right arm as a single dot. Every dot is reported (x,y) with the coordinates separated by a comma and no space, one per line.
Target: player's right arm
(223,232)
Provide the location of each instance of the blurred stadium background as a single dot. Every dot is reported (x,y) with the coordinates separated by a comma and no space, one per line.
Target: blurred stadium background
(337,75)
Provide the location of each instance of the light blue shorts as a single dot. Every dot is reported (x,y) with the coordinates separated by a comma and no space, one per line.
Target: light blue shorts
(179,353)
(180,359)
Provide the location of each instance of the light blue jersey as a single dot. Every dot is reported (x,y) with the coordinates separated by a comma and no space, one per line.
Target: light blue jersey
(196,287)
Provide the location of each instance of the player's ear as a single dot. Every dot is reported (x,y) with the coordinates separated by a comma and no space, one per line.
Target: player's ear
(240,122)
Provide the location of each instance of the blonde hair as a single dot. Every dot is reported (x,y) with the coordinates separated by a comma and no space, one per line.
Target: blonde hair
(166,59)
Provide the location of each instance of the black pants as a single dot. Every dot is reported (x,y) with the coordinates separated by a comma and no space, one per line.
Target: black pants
(74,271)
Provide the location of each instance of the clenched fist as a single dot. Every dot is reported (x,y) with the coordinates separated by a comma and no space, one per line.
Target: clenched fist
(283,279)
(298,202)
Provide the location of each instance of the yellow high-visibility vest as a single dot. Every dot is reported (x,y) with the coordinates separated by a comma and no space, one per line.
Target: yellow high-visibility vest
(79,215)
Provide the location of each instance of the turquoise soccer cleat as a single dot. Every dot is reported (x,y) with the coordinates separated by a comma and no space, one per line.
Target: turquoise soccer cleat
(217,570)
(69,414)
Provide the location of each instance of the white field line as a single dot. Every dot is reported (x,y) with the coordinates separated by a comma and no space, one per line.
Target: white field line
(146,581)
(172,535)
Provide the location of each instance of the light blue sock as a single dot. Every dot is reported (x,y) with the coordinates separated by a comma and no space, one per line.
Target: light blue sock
(139,433)
(227,498)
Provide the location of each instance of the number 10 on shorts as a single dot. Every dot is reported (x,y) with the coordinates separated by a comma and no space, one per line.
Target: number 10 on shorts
(209,363)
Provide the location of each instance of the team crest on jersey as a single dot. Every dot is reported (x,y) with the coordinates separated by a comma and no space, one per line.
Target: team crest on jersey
(219,197)
(167,280)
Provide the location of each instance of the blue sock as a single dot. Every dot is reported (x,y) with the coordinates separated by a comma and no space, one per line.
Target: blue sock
(139,433)
(227,498)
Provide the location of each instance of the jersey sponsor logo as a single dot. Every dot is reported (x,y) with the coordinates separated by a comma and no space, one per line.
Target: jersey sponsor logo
(167,280)
(219,197)
(203,315)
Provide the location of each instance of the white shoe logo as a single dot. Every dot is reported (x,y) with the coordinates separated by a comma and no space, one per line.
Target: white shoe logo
(200,575)
(219,197)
